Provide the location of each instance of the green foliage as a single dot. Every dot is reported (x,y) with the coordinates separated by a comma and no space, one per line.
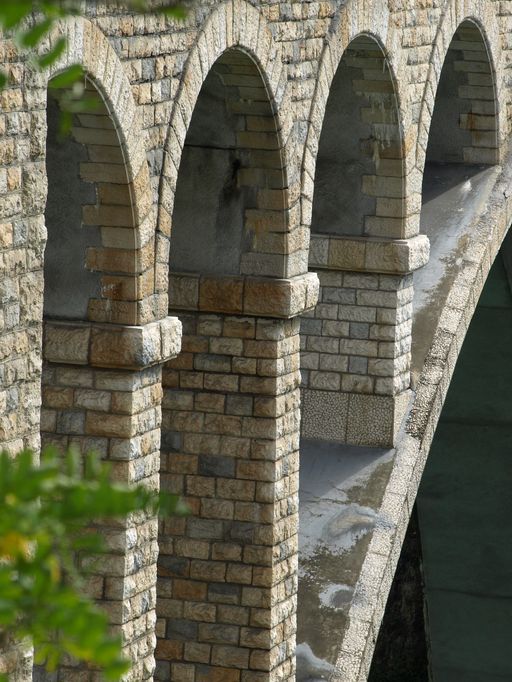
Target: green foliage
(30,21)
(46,529)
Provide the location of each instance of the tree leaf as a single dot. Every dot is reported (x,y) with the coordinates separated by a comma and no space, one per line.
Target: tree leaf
(51,57)
(12,12)
(67,77)
(31,37)
(174,11)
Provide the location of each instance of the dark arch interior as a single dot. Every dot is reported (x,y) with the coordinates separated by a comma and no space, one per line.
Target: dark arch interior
(68,283)
(229,163)
(359,148)
(463,126)
(89,211)
(449,613)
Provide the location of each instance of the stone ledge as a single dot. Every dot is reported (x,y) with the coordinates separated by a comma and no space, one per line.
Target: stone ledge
(112,346)
(244,295)
(369,254)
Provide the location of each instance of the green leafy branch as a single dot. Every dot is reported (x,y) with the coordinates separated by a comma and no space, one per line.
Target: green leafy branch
(30,22)
(45,535)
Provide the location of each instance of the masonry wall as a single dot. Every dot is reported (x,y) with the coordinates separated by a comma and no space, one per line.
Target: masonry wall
(149,71)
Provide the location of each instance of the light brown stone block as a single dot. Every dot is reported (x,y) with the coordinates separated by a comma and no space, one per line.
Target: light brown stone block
(221,294)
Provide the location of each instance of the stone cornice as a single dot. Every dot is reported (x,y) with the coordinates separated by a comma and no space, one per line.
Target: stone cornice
(111,346)
(243,295)
(369,254)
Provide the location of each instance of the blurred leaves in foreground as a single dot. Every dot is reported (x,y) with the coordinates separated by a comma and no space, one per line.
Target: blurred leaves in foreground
(48,512)
(30,22)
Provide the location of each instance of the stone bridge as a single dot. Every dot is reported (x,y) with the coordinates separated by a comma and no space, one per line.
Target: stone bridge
(257,257)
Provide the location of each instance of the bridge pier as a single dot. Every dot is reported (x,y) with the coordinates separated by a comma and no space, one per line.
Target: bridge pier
(357,342)
(228,572)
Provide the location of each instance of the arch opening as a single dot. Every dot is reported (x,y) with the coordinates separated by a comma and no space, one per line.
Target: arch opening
(460,171)
(463,128)
(230,190)
(69,284)
(99,246)
(449,606)
(358,178)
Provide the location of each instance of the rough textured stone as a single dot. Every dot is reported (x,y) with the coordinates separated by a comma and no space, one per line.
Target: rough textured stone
(226,250)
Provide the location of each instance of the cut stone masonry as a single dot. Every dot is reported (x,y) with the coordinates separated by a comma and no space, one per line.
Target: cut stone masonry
(255,174)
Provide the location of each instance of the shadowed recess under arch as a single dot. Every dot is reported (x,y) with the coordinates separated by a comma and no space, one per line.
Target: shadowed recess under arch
(98,258)
(358,180)
(460,172)
(464,126)
(228,210)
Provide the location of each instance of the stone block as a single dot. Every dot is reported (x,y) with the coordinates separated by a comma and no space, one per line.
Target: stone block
(324,415)
(183,291)
(66,343)
(221,294)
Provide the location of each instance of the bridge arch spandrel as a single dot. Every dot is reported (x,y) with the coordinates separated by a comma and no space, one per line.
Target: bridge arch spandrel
(482,15)
(234,26)
(127,297)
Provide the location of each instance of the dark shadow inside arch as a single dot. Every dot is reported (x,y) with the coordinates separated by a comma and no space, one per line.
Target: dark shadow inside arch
(230,175)
(455,584)
(459,174)
(359,164)
(69,284)
(464,122)
(89,214)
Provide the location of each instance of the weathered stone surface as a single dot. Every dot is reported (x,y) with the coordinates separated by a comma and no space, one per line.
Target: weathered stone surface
(223,416)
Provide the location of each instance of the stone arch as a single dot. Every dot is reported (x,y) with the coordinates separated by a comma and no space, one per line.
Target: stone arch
(341,364)
(362,101)
(456,161)
(481,16)
(101,385)
(115,164)
(222,399)
(231,188)
(467,460)
(350,22)
(234,26)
